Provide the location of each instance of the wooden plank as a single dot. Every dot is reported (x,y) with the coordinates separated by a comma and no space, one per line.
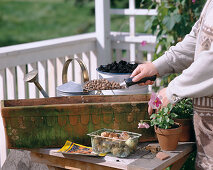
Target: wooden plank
(11,83)
(21,71)
(141,160)
(104,162)
(83,113)
(78,100)
(42,76)
(51,77)
(32,91)
(179,163)
(182,150)
(66,163)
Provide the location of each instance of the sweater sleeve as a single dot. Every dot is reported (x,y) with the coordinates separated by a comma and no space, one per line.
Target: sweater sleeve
(178,57)
(195,81)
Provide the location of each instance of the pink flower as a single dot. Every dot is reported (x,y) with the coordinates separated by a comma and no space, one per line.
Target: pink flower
(143,125)
(155,101)
(193,1)
(143,43)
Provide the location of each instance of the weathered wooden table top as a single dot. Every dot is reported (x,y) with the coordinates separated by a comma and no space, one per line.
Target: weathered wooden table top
(142,159)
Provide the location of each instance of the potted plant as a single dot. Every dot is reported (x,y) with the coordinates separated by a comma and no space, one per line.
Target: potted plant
(184,111)
(167,130)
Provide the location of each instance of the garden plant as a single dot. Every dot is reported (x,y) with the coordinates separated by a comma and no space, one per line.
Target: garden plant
(167,130)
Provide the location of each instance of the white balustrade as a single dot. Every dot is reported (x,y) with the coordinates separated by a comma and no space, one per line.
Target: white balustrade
(48,58)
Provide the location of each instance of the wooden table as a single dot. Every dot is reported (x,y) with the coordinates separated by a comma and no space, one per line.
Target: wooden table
(141,160)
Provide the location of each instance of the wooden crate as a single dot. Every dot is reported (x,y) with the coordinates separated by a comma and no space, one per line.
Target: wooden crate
(49,122)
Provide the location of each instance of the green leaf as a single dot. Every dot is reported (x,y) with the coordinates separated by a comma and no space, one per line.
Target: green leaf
(167,119)
(171,121)
(169,106)
(173,115)
(166,110)
(148,25)
(159,119)
(177,18)
(153,116)
(169,22)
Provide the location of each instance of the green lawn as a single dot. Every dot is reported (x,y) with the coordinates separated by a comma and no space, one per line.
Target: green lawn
(27,21)
(24,21)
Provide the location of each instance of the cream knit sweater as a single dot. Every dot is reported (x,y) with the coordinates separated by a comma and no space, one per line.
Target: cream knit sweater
(194,58)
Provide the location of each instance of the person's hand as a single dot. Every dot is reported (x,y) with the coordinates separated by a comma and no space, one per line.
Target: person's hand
(164,100)
(144,70)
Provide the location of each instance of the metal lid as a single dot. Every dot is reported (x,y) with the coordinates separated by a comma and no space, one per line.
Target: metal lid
(70,87)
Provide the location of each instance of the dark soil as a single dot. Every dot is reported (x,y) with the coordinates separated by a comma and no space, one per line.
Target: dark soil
(120,67)
(174,126)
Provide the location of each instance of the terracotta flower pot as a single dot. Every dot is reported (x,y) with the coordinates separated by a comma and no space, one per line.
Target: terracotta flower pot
(168,138)
(187,134)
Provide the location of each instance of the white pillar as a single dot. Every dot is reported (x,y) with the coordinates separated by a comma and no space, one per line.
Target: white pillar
(132,29)
(3,148)
(102,25)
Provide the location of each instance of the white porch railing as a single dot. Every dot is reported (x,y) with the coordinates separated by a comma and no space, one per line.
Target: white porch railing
(121,46)
(49,56)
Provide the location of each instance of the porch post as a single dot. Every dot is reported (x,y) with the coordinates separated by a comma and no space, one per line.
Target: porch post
(132,30)
(102,25)
(3,148)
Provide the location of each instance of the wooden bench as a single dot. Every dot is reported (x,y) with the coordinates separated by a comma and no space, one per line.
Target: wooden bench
(141,160)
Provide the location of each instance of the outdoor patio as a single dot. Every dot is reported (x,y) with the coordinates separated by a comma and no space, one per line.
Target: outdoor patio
(48,57)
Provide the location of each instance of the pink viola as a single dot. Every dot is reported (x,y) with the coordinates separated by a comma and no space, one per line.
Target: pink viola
(155,101)
(142,125)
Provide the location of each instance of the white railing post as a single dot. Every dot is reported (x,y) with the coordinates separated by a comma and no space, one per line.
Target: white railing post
(3,148)
(132,29)
(11,85)
(2,84)
(102,25)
